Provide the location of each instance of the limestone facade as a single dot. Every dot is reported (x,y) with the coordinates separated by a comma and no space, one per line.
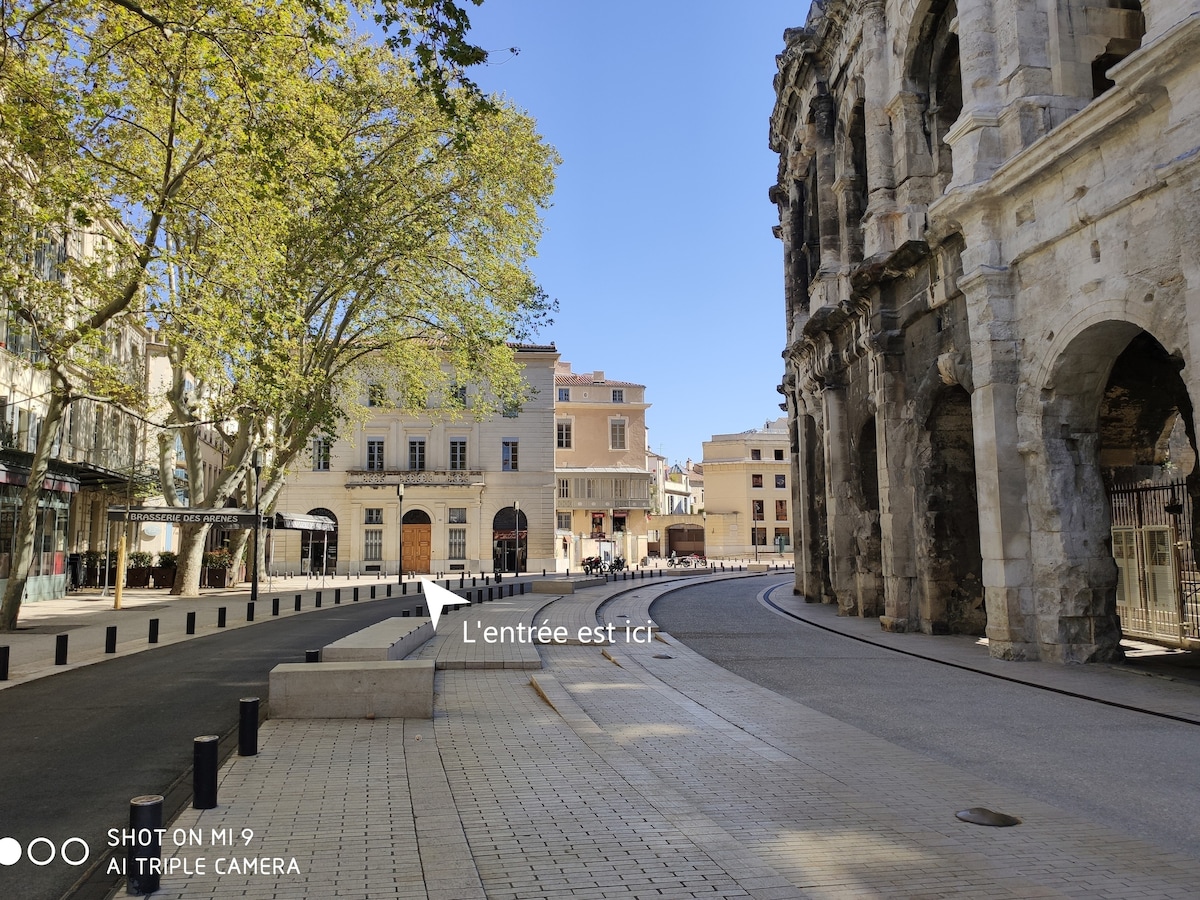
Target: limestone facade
(748,496)
(988,213)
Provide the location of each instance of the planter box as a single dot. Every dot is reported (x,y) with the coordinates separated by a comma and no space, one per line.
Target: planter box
(216,577)
(163,578)
(137,578)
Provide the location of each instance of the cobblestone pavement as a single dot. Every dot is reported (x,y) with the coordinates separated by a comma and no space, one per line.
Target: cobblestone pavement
(628,769)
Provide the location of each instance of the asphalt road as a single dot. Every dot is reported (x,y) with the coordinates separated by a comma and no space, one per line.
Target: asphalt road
(76,747)
(1133,772)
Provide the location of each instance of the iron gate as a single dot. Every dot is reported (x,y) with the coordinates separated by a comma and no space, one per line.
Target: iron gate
(1158,587)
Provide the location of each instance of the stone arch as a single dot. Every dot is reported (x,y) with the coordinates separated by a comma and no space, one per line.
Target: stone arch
(510,540)
(817,583)
(1113,404)
(934,73)
(318,545)
(952,596)
(868,537)
(1120,32)
(853,179)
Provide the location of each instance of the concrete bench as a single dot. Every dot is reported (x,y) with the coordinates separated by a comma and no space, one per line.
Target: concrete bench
(352,690)
(393,638)
(564,585)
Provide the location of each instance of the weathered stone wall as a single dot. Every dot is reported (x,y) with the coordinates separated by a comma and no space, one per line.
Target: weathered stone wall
(982,206)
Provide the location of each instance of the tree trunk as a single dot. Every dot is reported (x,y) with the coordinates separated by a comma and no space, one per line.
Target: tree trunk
(237,552)
(191,552)
(27,515)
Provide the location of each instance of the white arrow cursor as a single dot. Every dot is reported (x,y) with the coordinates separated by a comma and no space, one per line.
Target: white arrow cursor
(437,597)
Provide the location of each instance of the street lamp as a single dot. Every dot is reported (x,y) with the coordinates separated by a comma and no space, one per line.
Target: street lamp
(400,531)
(257,463)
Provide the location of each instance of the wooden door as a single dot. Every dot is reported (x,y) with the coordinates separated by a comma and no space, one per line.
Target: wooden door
(418,540)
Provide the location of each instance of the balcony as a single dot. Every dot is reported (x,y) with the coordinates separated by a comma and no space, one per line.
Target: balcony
(432,477)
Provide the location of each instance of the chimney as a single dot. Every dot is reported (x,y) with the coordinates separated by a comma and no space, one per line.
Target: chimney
(597,377)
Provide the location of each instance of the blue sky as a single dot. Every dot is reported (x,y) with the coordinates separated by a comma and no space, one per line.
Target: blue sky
(658,246)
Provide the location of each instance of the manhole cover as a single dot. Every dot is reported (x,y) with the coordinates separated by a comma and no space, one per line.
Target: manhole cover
(978,815)
(662,656)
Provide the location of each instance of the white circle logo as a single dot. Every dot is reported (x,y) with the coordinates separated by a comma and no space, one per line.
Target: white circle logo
(10,851)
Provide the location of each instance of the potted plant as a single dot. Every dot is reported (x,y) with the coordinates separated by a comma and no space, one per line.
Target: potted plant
(164,572)
(137,572)
(217,565)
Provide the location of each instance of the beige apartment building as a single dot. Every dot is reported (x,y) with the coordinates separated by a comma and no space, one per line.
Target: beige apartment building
(748,492)
(444,494)
(603,486)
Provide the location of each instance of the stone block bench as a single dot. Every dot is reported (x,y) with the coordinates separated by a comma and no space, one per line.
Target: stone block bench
(360,689)
(565,585)
(393,638)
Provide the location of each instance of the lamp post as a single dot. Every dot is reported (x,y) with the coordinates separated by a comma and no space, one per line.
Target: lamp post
(257,463)
(400,532)
(517,536)
(754,529)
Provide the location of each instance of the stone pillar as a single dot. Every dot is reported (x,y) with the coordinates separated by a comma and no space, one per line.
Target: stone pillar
(881,201)
(824,114)
(895,433)
(1000,476)
(975,137)
(840,506)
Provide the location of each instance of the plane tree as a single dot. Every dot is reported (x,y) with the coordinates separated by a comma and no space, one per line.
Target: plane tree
(390,255)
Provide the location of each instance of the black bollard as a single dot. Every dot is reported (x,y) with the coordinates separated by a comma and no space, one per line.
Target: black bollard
(154,631)
(356,595)
(389,590)
(248,726)
(420,587)
(337,596)
(60,650)
(204,771)
(317,602)
(144,853)
(312,656)
(221,615)
(404,588)
(191,623)
(297,603)
(490,593)
(372,592)
(274,606)
(4,663)
(249,610)
(110,639)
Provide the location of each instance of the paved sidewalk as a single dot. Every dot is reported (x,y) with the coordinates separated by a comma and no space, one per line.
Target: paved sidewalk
(633,769)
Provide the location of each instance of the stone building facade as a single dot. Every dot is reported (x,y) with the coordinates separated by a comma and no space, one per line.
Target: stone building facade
(989,214)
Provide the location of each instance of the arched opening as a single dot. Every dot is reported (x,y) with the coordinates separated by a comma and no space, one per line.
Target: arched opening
(1124,26)
(510,540)
(857,185)
(868,538)
(319,549)
(819,586)
(952,601)
(937,72)
(417,540)
(1147,457)
(684,540)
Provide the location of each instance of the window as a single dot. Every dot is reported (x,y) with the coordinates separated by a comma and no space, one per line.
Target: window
(782,533)
(508,455)
(760,537)
(512,409)
(564,395)
(618,395)
(619,488)
(375,454)
(320,455)
(618,523)
(756,454)
(564,435)
(374,516)
(756,481)
(457,515)
(373,544)
(757,512)
(781,481)
(564,521)
(779,456)
(564,488)
(616,434)
(458,454)
(456,543)
(375,395)
(416,454)
(781,511)
(458,394)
